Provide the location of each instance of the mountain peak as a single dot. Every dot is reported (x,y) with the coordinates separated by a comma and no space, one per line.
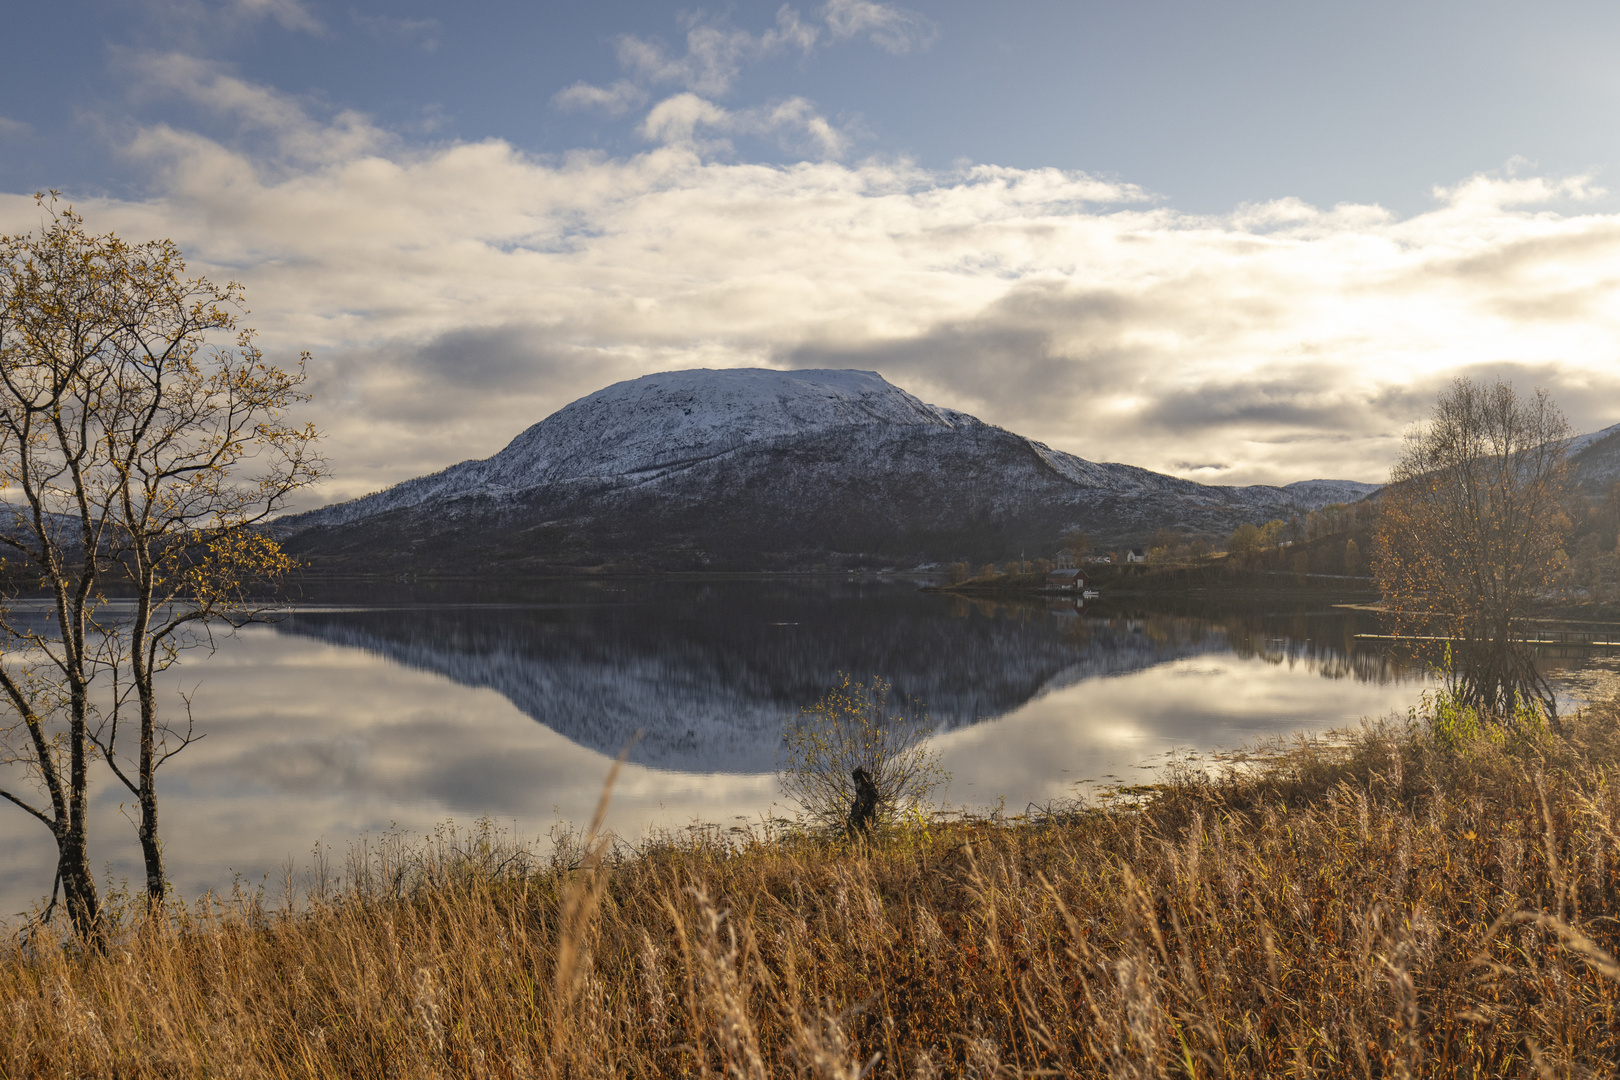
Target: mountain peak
(751,467)
(657,422)
(641,429)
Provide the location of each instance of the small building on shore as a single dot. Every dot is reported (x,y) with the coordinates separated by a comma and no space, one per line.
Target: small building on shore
(1069,579)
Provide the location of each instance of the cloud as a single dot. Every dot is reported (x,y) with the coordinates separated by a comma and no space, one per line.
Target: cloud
(793,124)
(715,52)
(288,14)
(417,403)
(615,100)
(892,28)
(207,26)
(281,126)
(716,55)
(421,33)
(14,129)
(677,119)
(457,293)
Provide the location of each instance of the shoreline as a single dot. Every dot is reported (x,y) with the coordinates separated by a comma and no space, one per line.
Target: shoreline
(1344,889)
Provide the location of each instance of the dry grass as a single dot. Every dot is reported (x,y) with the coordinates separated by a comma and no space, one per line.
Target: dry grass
(1377,907)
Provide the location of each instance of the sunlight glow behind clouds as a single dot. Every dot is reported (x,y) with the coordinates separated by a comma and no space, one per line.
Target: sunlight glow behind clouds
(455,294)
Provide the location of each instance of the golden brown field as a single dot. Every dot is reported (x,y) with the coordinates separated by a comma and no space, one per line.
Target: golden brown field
(1379,906)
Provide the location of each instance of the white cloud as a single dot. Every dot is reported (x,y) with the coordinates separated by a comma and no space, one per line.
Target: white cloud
(14,129)
(799,127)
(456,294)
(295,137)
(675,120)
(793,123)
(289,14)
(895,29)
(615,100)
(214,27)
(715,52)
(421,33)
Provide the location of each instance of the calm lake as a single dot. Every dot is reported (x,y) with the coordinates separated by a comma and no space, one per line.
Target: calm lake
(369,709)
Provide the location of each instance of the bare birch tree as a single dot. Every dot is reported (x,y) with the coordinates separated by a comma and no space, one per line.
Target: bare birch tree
(1469,530)
(137,456)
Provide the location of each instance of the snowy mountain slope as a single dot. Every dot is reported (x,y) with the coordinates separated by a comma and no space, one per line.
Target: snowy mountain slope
(1580,442)
(749,468)
(1595,460)
(1319,493)
(648,428)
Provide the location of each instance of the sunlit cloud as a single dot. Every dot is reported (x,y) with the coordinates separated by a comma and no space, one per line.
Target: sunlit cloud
(888,26)
(615,99)
(275,130)
(716,52)
(690,121)
(455,294)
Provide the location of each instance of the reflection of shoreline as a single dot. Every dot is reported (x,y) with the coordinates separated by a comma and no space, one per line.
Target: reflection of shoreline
(1124,729)
(712,674)
(706,713)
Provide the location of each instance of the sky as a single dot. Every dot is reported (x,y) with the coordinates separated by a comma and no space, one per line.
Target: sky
(1242,242)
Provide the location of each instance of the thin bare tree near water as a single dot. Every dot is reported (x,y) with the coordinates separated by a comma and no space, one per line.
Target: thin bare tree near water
(1470,530)
(138,456)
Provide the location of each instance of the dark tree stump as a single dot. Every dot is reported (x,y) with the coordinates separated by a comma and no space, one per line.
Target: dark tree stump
(863,812)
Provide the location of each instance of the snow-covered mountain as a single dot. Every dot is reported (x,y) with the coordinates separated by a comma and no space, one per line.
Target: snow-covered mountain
(755,468)
(645,430)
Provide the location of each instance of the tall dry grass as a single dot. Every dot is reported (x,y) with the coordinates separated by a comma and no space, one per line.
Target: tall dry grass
(1377,906)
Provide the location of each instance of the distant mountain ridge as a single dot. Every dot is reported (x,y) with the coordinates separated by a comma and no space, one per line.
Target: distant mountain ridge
(761,469)
(1595,461)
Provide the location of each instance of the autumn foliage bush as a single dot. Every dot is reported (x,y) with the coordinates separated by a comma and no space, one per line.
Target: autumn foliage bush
(1378,904)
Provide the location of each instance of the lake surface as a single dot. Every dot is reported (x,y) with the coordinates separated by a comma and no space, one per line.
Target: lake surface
(369,709)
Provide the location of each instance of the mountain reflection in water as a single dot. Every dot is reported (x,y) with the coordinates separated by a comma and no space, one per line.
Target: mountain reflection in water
(403,706)
(711,672)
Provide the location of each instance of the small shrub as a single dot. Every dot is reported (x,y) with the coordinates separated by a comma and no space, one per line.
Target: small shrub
(854,726)
(1455,718)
